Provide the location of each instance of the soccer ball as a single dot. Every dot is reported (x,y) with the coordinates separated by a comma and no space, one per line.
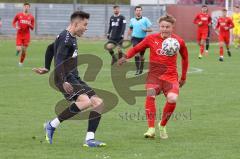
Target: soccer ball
(170,46)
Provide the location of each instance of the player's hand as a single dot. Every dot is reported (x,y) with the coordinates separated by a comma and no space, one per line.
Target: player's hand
(181,83)
(108,36)
(122,61)
(17,27)
(226,28)
(40,70)
(67,87)
(199,23)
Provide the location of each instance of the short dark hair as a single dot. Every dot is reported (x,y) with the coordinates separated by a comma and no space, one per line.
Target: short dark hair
(80,14)
(204,6)
(26,4)
(168,18)
(137,7)
(116,6)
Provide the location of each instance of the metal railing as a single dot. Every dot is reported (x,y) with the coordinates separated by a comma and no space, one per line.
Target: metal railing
(51,19)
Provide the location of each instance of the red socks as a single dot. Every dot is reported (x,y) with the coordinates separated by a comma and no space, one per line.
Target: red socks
(167,112)
(150,109)
(221,51)
(201,49)
(23,55)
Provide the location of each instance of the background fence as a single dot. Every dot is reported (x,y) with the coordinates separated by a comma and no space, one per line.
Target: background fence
(51,19)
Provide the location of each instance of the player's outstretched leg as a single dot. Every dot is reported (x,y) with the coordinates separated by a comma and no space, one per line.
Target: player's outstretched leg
(167,112)
(69,112)
(49,131)
(150,109)
(93,122)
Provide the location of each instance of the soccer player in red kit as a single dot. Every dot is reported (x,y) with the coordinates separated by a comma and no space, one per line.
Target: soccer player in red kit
(23,22)
(224,24)
(162,75)
(203,20)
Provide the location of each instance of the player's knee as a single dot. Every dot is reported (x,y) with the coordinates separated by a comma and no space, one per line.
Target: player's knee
(19,48)
(83,98)
(96,101)
(172,97)
(110,46)
(151,92)
(221,44)
(97,104)
(83,102)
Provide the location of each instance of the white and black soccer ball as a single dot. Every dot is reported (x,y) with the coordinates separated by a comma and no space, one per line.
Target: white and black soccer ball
(170,46)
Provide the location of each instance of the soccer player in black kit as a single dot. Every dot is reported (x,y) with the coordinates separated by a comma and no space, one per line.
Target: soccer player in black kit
(67,80)
(117,25)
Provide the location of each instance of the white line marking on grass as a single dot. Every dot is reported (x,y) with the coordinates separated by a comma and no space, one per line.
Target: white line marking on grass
(21,71)
(194,70)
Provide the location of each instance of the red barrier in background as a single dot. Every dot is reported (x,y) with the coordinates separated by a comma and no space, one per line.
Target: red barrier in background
(185,15)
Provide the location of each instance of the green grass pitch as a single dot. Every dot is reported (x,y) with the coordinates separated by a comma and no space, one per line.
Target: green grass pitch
(209,103)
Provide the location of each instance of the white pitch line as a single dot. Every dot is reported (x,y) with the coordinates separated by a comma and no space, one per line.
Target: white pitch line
(195,70)
(129,73)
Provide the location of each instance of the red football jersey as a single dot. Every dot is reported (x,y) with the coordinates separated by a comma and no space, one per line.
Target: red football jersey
(204,18)
(25,22)
(224,24)
(162,65)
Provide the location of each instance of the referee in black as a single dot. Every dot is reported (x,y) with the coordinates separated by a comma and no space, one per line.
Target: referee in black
(117,26)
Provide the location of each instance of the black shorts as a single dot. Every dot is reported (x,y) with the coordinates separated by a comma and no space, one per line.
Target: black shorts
(135,41)
(117,41)
(79,88)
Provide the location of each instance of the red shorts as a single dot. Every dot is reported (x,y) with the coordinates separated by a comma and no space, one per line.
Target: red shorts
(22,40)
(224,37)
(202,35)
(162,85)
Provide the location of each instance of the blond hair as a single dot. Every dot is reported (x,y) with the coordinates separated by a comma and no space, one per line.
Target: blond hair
(167,18)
